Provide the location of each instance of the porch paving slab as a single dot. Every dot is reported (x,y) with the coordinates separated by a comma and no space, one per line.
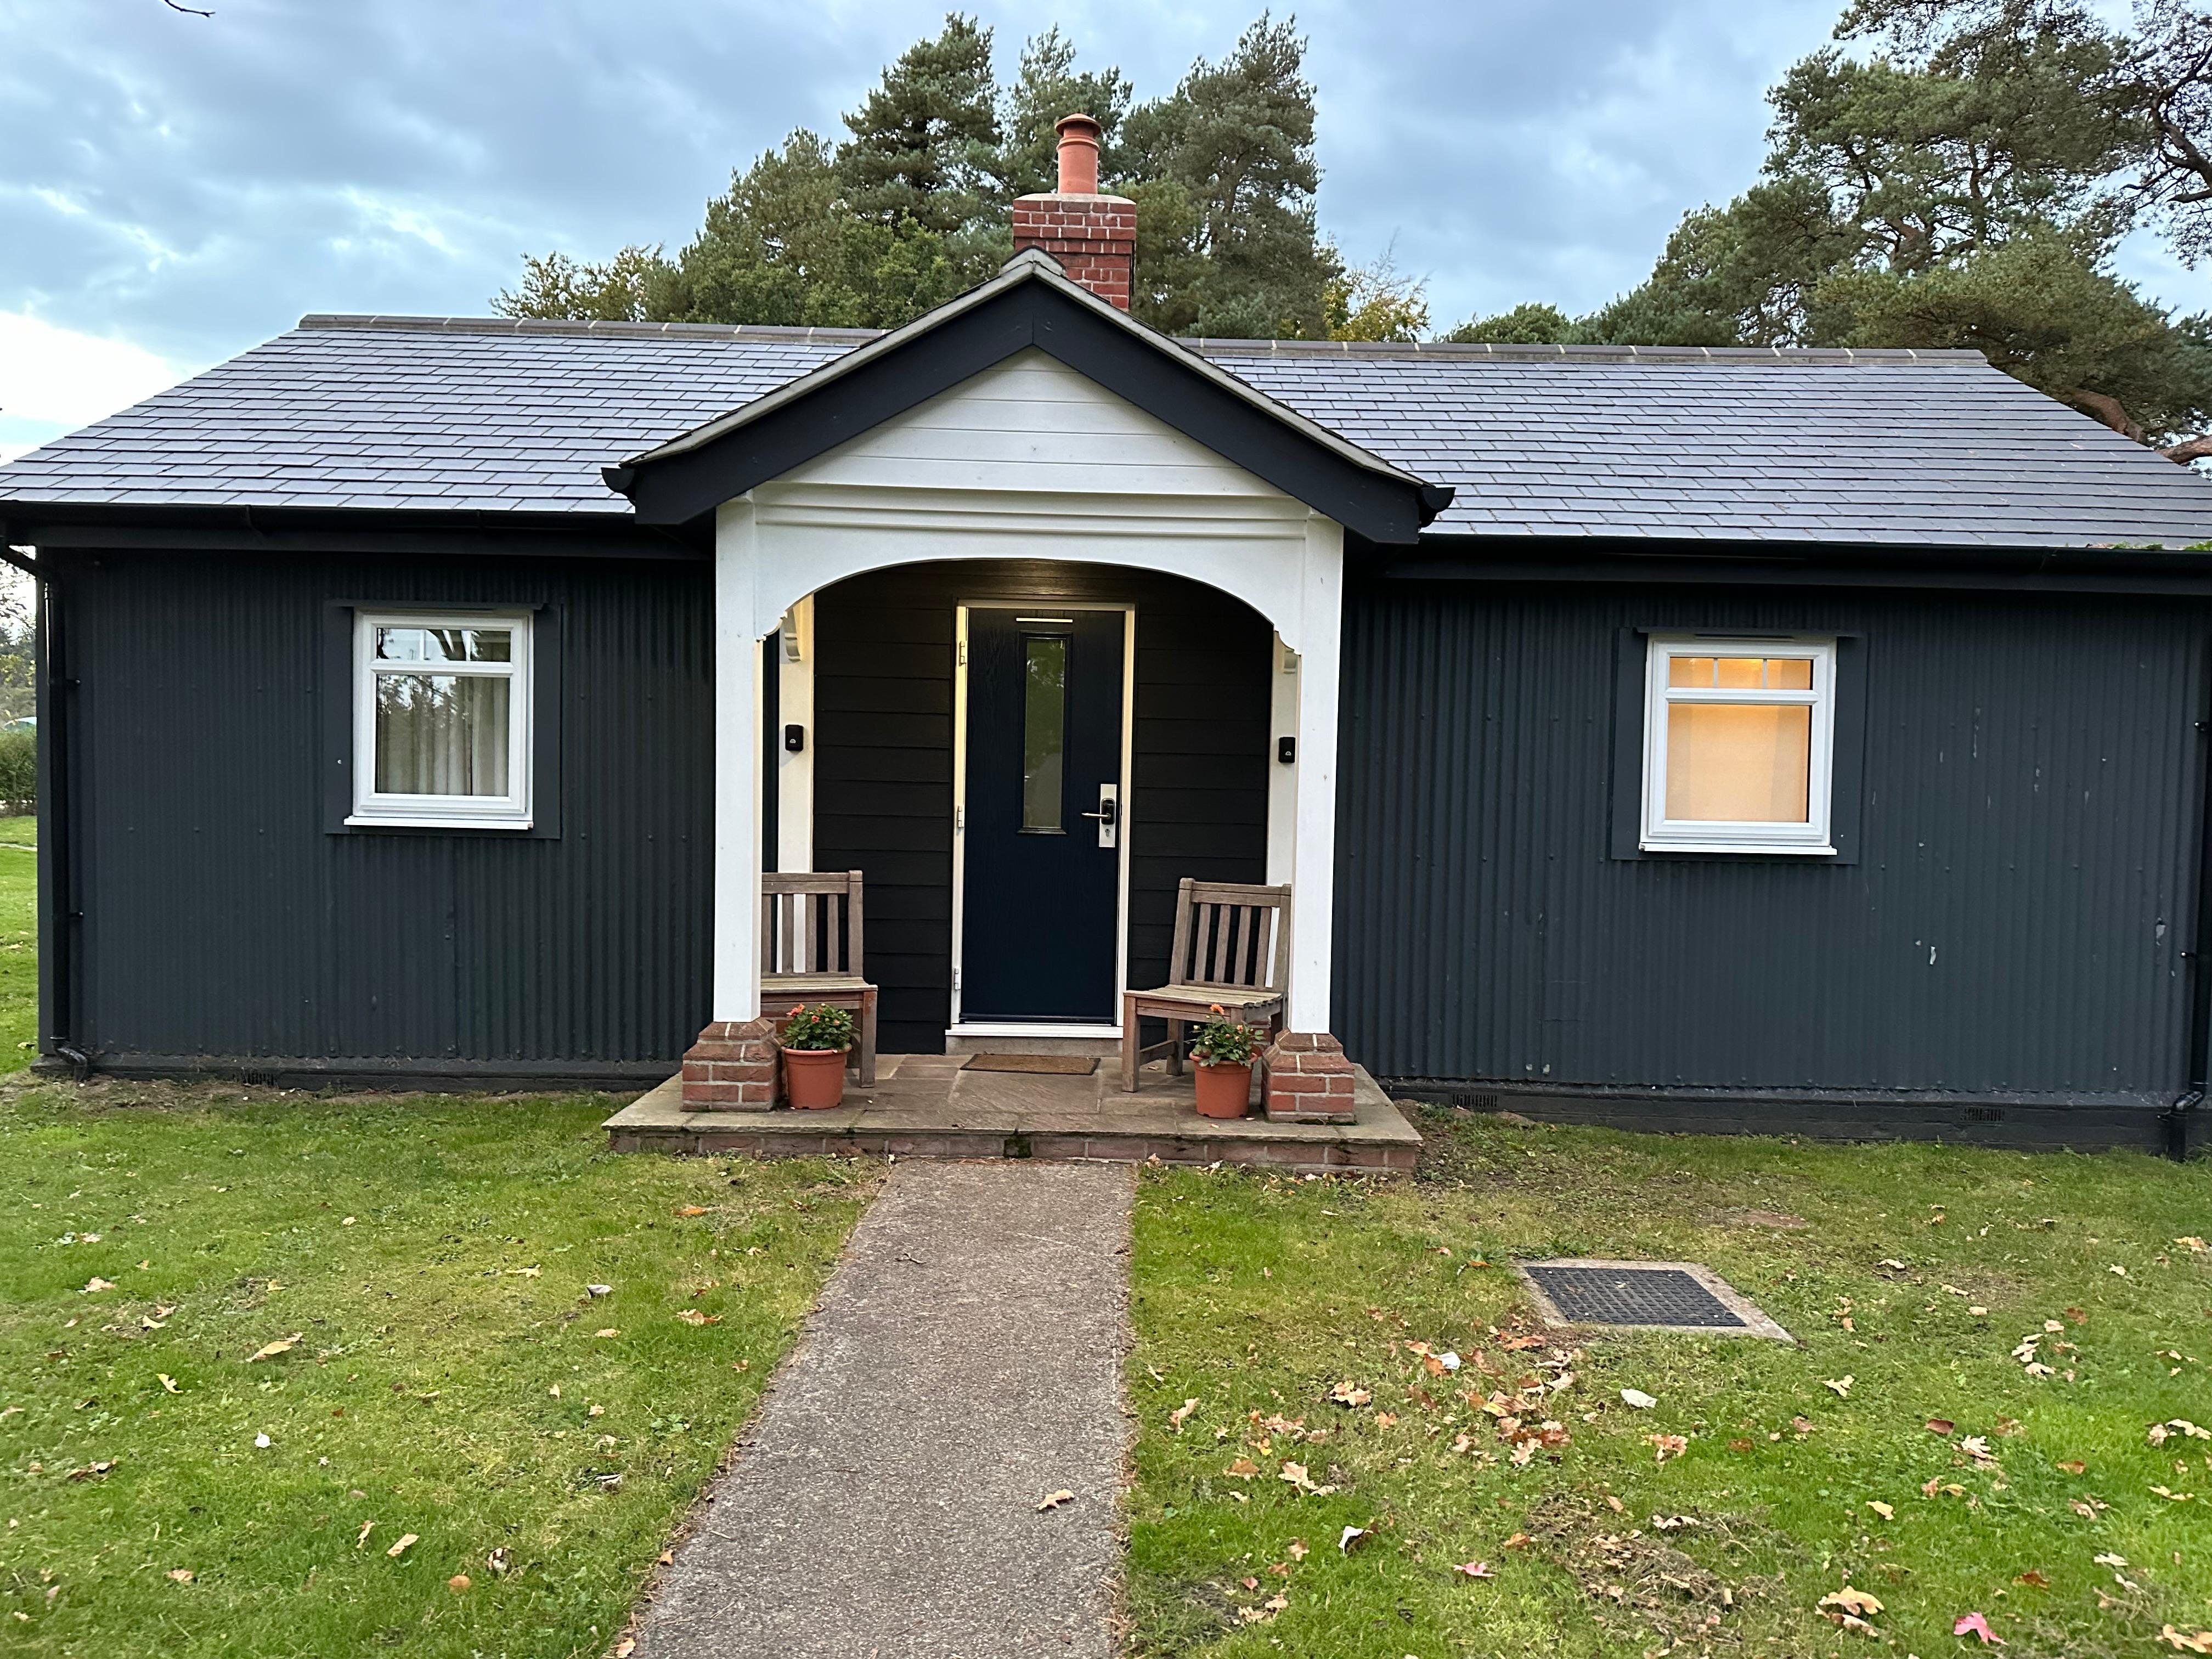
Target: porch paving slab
(923,1107)
(964,1362)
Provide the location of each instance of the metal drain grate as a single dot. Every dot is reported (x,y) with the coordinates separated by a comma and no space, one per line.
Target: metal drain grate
(1671,1296)
(1634,1296)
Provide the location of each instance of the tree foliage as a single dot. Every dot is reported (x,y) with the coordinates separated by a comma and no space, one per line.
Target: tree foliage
(1961,179)
(912,207)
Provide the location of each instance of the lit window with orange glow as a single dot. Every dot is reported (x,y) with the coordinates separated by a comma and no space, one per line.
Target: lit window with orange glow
(1738,739)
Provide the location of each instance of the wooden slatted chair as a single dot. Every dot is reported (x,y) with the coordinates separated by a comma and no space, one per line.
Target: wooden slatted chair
(1231,947)
(810,953)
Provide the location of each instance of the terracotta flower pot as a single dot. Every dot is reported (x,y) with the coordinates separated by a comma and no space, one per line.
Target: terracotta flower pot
(1224,1090)
(814,1079)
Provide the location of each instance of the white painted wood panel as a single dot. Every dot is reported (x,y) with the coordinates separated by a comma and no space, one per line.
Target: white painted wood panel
(1030,424)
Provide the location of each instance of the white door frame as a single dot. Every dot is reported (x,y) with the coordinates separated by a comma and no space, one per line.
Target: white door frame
(1111,1028)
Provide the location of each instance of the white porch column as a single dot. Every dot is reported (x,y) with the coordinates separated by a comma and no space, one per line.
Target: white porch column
(795,774)
(1282,780)
(736,994)
(1313,854)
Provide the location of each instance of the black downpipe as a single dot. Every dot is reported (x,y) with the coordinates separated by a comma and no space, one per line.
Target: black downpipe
(58,913)
(2180,1117)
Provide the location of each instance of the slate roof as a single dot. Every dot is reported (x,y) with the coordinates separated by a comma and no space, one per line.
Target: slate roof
(508,417)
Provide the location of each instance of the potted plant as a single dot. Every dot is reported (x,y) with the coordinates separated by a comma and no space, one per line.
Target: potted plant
(1222,1051)
(814,1042)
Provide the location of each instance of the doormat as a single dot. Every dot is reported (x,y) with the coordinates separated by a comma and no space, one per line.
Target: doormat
(1041,1064)
(1644,1296)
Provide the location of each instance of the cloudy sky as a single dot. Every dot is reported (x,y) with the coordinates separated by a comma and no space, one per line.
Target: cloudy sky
(176,188)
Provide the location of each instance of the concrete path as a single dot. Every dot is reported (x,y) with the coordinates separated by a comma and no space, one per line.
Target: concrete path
(965,1363)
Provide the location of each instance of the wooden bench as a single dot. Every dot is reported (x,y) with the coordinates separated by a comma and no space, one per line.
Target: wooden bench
(810,953)
(1231,948)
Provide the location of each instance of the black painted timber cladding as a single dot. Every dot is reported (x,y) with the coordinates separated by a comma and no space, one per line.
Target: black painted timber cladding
(2014,926)
(883,765)
(224,922)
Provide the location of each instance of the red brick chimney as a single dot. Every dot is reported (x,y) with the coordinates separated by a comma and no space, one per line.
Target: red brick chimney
(1093,236)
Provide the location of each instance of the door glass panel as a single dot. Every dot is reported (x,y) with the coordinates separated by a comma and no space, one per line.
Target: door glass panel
(1044,730)
(1738,762)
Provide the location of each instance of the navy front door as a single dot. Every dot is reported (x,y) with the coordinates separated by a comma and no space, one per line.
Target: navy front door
(1042,836)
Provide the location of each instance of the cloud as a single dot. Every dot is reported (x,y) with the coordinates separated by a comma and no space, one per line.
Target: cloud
(54,379)
(192,185)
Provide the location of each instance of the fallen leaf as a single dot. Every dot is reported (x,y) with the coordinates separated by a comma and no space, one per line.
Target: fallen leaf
(1180,1415)
(94,1471)
(626,1647)
(2117,1269)
(598,1290)
(458,1582)
(168,1383)
(1298,1549)
(1615,1504)
(1638,1399)
(1351,1539)
(1053,1500)
(1670,1445)
(2108,1560)
(1474,1570)
(2073,1465)
(1973,1624)
(1520,1540)
(181,1575)
(597,1411)
(609,1331)
(1881,1509)
(1851,1601)
(1243,1469)
(1842,1384)
(2200,1642)
(693,1316)
(498,1561)
(96,1285)
(1940,1426)
(693,1209)
(282,1344)
(367,1528)
(400,1548)
(2034,1576)
(1348,1392)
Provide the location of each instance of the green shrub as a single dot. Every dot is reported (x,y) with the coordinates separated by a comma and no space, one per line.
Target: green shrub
(19,771)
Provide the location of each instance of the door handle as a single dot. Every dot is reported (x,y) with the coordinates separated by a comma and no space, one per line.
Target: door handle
(1108,814)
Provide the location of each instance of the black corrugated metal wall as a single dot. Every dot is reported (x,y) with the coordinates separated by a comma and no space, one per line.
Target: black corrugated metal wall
(223,920)
(2014,924)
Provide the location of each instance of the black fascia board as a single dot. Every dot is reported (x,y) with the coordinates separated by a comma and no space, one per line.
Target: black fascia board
(1540,560)
(368,529)
(677,488)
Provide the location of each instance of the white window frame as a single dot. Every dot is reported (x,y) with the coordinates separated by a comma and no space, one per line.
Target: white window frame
(1661,834)
(509,811)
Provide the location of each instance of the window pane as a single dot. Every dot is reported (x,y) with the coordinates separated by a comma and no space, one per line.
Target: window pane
(1690,670)
(1789,673)
(1741,673)
(444,645)
(442,734)
(1044,731)
(1738,762)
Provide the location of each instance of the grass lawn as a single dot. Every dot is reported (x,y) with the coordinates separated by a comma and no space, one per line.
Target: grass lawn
(1909,1275)
(450,1380)
(19,942)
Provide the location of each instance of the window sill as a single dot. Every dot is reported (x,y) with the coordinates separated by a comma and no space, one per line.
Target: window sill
(1762,849)
(397,821)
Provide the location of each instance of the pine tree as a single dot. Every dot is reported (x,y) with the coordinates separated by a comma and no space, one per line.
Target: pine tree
(925,148)
(1232,250)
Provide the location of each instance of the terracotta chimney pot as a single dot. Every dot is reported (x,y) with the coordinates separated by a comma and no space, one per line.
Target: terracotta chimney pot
(1079,154)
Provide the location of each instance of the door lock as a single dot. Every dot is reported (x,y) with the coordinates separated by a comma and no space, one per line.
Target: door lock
(1109,815)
